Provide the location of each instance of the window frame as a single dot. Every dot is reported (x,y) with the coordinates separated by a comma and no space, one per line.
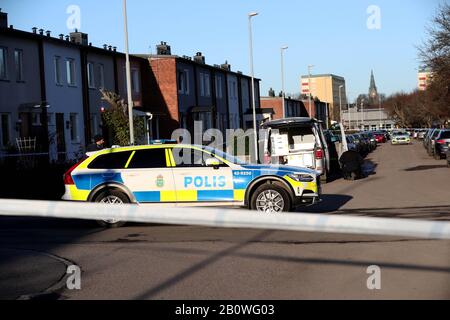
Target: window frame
(18,62)
(101,74)
(2,137)
(135,81)
(166,161)
(76,139)
(90,75)
(4,54)
(57,69)
(71,72)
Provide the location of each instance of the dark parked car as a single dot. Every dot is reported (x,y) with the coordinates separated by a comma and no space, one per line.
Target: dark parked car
(441,144)
(431,145)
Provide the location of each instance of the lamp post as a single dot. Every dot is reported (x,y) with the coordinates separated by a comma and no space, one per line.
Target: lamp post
(282,80)
(309,85)
(128,72)
(362,114)
(340,103)
(255,130)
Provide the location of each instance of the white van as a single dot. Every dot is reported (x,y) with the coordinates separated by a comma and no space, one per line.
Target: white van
(298,142)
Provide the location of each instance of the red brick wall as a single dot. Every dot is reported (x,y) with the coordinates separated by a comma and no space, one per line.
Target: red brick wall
(164,88)
(276,104)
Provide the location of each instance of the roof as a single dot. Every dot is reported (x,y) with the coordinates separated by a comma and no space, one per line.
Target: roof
(184,60)
(38,37)
(327,75)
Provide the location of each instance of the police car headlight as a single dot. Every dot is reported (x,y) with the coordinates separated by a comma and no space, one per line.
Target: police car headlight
(301,177)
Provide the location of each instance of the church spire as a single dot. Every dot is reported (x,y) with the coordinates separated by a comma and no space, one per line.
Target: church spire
(373,92)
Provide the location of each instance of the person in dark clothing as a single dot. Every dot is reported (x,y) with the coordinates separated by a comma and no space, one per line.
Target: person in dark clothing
(99,144)
(351,164)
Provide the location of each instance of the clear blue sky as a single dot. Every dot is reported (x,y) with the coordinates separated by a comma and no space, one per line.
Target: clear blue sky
(332,35)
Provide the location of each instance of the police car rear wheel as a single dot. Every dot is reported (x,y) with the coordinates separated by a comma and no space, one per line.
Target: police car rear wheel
(111,197)
(270,198)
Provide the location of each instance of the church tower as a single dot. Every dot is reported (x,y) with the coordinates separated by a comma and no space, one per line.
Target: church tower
(373,92)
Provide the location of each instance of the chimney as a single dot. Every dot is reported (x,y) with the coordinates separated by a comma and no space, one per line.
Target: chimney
(199,58)
(67,38)
(48,32)
(226,66)
(41,32)
(105,46)
(272,93)
(3,19)
(114,49)
(110,48)
(163,49)
(34,30)
(79,38)
(61,37)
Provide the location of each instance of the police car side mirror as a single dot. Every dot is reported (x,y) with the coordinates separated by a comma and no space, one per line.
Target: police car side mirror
(212,162)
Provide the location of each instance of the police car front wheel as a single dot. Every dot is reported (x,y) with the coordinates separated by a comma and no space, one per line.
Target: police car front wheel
(111,197)
(270,198)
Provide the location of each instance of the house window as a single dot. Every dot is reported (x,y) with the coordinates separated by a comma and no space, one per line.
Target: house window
(90,75)
(57,64)
(70,68)
(94,124)
(5,127)
(135,81)
(183,82)
(101,76)
(18,59)
(219,93)
(205,86)
(74,127)
(3,63)
(36,119)
(233,90)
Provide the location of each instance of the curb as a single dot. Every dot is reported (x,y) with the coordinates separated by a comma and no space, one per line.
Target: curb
(52,292)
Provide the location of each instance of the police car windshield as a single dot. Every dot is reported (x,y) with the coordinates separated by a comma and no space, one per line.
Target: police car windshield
(225,156)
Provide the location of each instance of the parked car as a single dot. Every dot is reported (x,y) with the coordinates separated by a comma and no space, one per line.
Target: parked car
(379,137)
(298,142)
(448,156)
(431,148)
(421,134)
(441,144)
(428,135)
(401,138)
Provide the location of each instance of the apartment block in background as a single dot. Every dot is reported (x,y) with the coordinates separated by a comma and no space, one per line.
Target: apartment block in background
(423,78)
(326,88)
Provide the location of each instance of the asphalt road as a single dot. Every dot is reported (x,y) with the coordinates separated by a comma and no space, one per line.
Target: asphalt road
(180,262)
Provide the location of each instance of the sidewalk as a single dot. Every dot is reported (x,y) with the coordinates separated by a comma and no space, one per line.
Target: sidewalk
(25,274)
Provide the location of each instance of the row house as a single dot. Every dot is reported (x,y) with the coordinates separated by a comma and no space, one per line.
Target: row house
(50,89)
(184,90)
(272,106)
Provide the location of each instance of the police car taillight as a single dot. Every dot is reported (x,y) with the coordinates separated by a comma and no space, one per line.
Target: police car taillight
(68,180)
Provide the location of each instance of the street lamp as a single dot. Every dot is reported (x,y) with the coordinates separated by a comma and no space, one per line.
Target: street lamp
(362,113)
(309,85)
(128,72)
(282,79)
(340,103)
(255,133)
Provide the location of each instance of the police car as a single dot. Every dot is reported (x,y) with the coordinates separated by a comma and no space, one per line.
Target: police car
(187,175)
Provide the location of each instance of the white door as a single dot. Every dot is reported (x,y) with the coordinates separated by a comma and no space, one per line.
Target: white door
(149,176)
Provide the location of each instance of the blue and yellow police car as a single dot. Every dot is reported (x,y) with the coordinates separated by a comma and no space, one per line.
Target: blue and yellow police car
(187,175)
